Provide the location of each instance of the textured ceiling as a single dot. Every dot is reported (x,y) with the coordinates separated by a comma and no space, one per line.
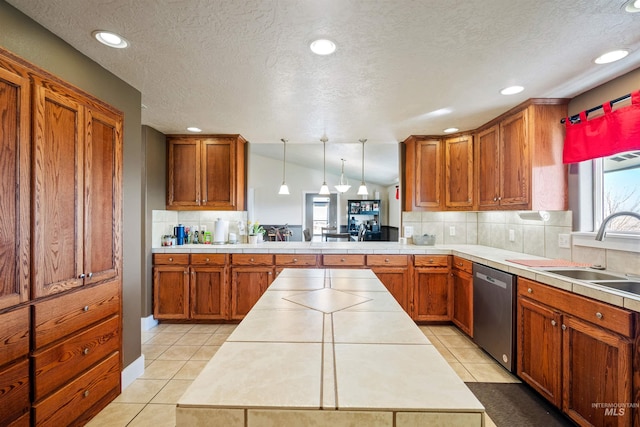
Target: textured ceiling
(245,67)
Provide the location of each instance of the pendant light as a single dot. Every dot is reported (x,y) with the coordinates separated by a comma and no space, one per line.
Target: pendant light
(362,190)
(343,186)
(324,189)
(284,188)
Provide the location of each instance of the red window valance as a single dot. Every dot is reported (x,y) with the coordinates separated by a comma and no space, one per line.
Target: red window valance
(614,132)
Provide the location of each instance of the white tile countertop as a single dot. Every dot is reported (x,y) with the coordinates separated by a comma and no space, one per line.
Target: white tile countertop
(328,347)
(492,257)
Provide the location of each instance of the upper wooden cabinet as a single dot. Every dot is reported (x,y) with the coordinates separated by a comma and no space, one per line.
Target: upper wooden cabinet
(77,191)
(459,173)
(15,119)
(206,172)
(519,159)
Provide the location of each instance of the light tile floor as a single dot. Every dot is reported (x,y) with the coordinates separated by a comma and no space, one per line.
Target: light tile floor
(176,353)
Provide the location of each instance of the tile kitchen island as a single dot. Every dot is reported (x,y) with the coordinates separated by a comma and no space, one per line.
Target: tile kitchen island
(328,347)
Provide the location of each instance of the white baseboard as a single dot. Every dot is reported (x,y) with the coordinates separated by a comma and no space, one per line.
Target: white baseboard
(131,372)
(148,322)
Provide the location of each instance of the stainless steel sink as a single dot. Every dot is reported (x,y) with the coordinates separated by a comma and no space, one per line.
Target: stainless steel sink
(621,285)
(584,274)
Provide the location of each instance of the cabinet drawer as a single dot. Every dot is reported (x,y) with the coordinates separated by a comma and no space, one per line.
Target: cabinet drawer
(14,335)
(171,259)
(296,260)
(14,392)
(463,264)
(84,393)
(431,261)
(61,316)
(343,260)
(251,259)
(209,259)
(599,313)
(387,260)
(57,365)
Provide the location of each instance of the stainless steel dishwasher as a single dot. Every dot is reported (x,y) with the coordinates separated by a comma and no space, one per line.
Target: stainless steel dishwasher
(494,313)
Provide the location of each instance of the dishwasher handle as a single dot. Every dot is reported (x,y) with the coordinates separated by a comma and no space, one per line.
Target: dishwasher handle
(491,280)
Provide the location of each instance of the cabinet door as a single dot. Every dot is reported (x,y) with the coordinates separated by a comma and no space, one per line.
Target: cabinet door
(218,173)
(459,172)
(488,159)
(462,306)
(58,183)
(14,188)
(209,296)
(539,348)
(171,292)
(515,161)
(183,170)
(431,295)
(14,399)
(428,172)
(597,368)
(102,197)
(396,280)
(247,286)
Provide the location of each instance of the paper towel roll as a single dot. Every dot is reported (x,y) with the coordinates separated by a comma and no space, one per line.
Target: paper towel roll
(220,232)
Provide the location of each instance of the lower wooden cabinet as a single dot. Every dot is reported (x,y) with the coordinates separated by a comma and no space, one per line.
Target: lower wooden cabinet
(431,288)
(462,295)
(393,271)
(14,392)
(247,286)
(577,352)
(208,293)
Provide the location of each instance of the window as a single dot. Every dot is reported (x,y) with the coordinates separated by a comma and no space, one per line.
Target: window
(617,188)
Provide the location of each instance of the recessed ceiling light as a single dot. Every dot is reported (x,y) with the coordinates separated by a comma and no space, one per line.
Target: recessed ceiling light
(194,129)
(451,130)
(110,39)
(632,6)
(511,90)
(323,47)
(614,55)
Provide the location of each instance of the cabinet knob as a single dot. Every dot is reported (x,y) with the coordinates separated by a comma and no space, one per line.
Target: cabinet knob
(495,199)
(459,264)
(206,260)
(269,273)
(251,260)
(85,308)
(342,260)
(90,275)
(564,327)
(81,276)
(86,393)
(599,315)
(295,260)
(85,351)
(530,290)
(431,260)
(499,198)
(170,259)
(553,323)
(387,260)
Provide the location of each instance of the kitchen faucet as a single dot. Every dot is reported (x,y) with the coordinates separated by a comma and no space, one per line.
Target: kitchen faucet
(601,230)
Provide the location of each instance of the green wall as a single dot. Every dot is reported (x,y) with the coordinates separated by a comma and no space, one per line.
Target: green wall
(27,39)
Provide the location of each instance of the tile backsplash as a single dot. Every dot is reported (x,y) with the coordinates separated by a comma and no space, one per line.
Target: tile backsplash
(164,221)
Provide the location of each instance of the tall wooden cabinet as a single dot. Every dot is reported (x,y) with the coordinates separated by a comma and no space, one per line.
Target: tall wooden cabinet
(60,247)
(519,158)
(206,172)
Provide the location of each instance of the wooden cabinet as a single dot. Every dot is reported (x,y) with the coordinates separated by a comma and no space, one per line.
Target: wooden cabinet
(208,283)
(14,187)
(519,158)
(431,288)
(295,261)
(424,179)
(77,191)
(338,260)
(462,294)
(206,172)
(14,365)
(251,275)
(576,352)
(171,286)
(459,188)
(395,274)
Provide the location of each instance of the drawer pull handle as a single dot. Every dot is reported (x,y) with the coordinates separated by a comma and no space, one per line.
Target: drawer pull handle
(553,323)
(85,351)
(90,275)
(431,260)
(85,308)
(530,290)
(387,260)
(86,393)
(459,264)
(81,276)
(599,315)
(207,260)
(251,260)
(342,260)
(564,327)
(170,259)
(295,260)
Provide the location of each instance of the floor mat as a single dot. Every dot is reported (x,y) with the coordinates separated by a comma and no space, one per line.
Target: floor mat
(517,404)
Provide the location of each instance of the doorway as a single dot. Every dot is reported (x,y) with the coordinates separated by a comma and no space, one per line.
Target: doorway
(320,211)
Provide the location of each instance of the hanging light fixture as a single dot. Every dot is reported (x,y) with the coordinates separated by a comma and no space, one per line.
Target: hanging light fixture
(324,189)
(284,188)
(362,190)
(343,186)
